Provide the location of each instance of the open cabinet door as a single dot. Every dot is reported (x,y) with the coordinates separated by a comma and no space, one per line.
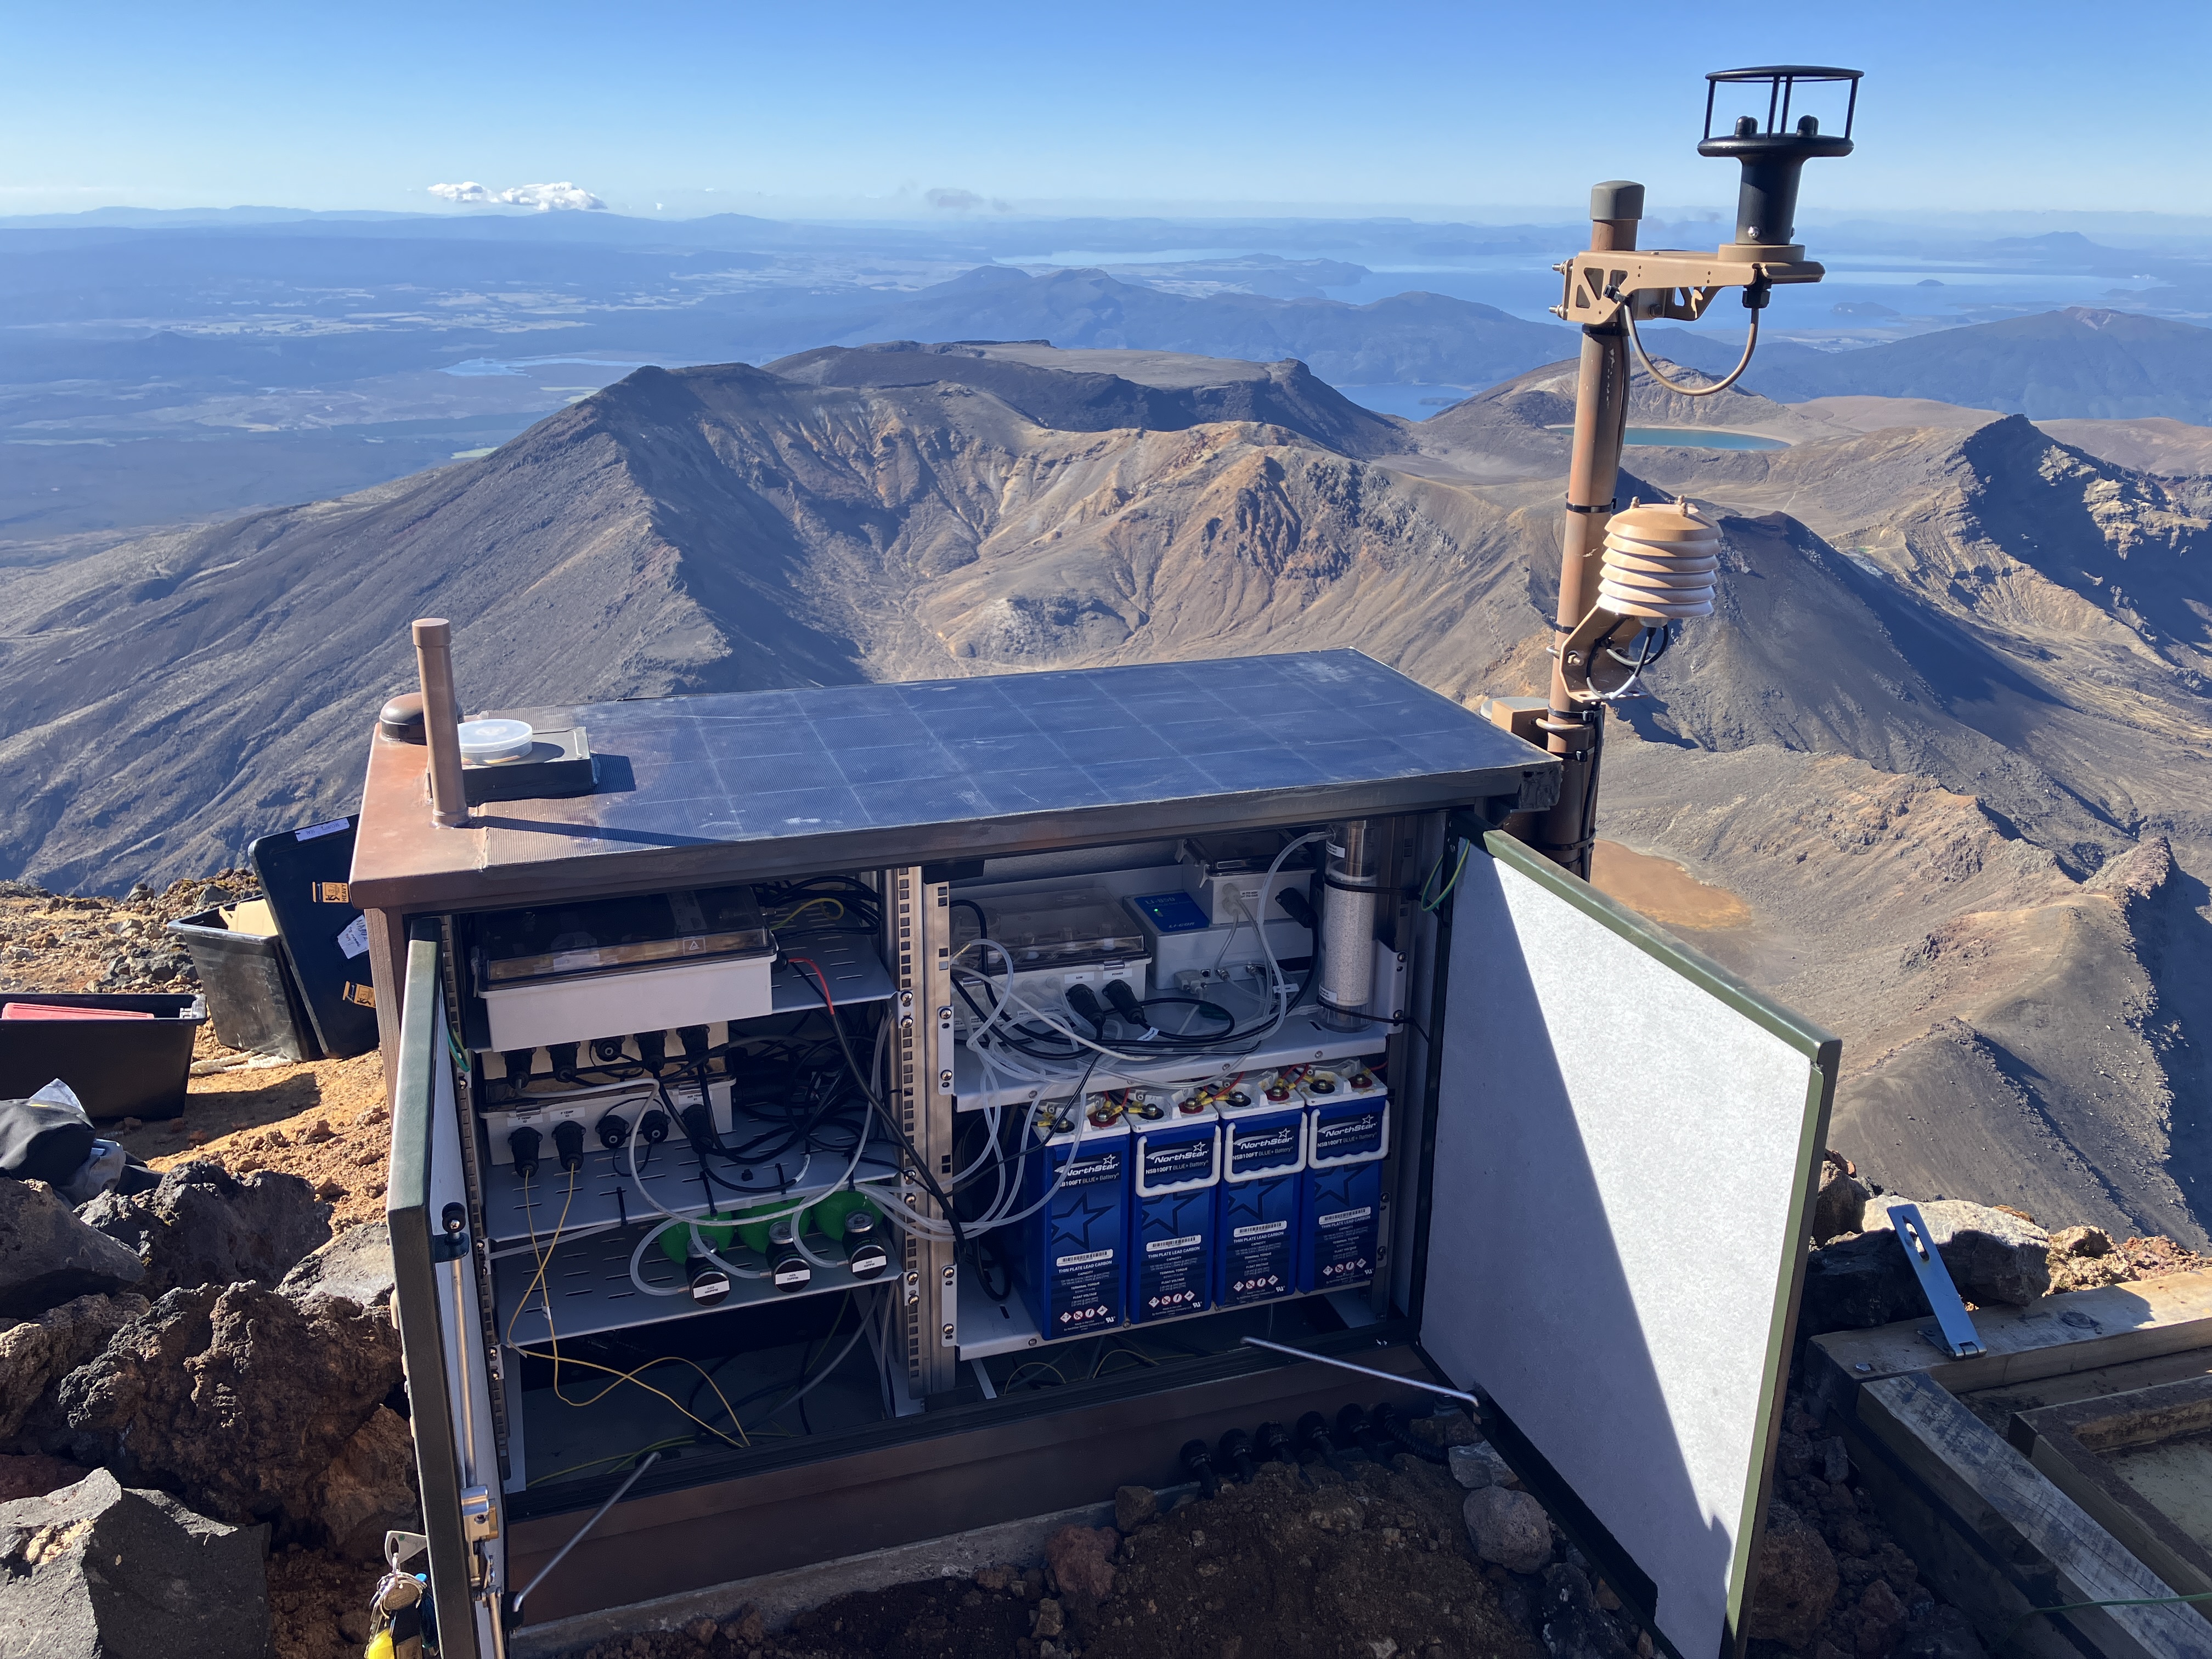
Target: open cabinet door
(1627,1141)
(448,1387)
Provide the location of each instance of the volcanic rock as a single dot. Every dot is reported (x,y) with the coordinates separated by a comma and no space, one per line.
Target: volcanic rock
(1508,1527)
(1859,1281)
(1842,1197)
(1794,1583)
(1573,1627)
(369,1488)
(1133,1506)
(1081,1558)
(1993,1255)
(355,1265)
(202,1225)
(1478,1465)
(47,1255)
(237,1398)
(36,1354)
(98,1571)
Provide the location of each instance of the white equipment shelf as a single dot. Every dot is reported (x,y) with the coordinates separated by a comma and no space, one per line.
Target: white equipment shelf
(1301,1040)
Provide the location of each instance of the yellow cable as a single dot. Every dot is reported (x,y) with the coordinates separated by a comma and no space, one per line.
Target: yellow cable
(619,1457)
(553,1337)
(786,918)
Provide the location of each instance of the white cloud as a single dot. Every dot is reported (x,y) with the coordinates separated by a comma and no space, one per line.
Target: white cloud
(963,201)
(544,197)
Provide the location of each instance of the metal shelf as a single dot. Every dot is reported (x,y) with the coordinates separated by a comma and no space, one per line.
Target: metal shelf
(606,1197)
(1009,1327)
(588,1282)
(855,973)
(1303,1039)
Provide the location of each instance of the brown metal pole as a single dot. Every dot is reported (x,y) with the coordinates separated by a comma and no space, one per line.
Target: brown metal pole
(442,720)
(1576,732)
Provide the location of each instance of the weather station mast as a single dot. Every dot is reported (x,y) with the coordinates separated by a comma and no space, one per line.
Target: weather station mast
(1627,577)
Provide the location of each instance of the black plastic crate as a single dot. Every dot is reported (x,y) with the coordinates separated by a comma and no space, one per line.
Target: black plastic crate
(252,996)
(119,1068)
(304,875)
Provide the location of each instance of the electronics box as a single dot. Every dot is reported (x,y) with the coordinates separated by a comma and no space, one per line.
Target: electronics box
(962,1344)
(559,973)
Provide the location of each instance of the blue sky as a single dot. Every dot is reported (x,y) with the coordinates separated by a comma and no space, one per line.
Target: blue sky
(863,109)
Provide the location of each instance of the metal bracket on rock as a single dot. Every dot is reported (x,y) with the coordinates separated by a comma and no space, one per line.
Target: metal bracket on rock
(1954,1330)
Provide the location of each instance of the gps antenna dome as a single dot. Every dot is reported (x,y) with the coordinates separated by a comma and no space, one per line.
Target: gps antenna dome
(1772,150)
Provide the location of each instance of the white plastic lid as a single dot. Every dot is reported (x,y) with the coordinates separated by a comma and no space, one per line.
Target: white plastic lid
(495,740)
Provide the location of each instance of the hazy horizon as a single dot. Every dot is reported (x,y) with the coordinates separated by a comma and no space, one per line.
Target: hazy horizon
(884,113)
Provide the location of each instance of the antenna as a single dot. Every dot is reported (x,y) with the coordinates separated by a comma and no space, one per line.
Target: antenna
(1624,588)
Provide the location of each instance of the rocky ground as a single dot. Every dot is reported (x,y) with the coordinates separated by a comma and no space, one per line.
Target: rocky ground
(270,1164)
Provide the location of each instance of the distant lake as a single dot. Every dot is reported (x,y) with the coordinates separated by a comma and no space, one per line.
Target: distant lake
(1693,437)
(1412,402)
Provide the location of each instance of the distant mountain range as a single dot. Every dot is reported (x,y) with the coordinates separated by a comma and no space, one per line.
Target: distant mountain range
(2078,362)
(1944,735)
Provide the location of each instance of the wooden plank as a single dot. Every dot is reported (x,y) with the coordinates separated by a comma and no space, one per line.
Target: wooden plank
(2064,1441)
(2059,1334)
(2046,1538)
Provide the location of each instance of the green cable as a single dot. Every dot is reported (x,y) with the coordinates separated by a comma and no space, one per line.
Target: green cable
(2005,1640)
(1430,904)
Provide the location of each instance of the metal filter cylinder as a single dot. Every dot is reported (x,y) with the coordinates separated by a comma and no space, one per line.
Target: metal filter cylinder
(1347,927)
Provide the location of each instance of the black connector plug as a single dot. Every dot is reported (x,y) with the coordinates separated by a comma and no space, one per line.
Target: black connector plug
(698,1123)
(865,1255)
(563,1056)
(694,1039)
(1298,908)
(710,1284)
(1085,1001)
(1314,1441)
(522,1146)
(653,1128)
(1236,1452)
(518,1062)
(568,1144)
(1125,1004)
(1197,1459)
(788,1269)
(1353,1428)
(608,1050)
(652,1048)
(1277,1447)
(614,1131)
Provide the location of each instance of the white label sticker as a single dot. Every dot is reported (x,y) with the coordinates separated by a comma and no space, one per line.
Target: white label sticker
(353,937)
(315,829)
(1191,1242)
(1085,1259)
(1260,1231)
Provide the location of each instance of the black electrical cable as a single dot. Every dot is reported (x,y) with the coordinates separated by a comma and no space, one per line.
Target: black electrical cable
(920,1166)
(983,921)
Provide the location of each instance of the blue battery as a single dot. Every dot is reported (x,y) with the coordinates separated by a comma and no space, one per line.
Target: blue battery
(1069,1264)
(1263,1155)
(1175,1165)
(1347,1137)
